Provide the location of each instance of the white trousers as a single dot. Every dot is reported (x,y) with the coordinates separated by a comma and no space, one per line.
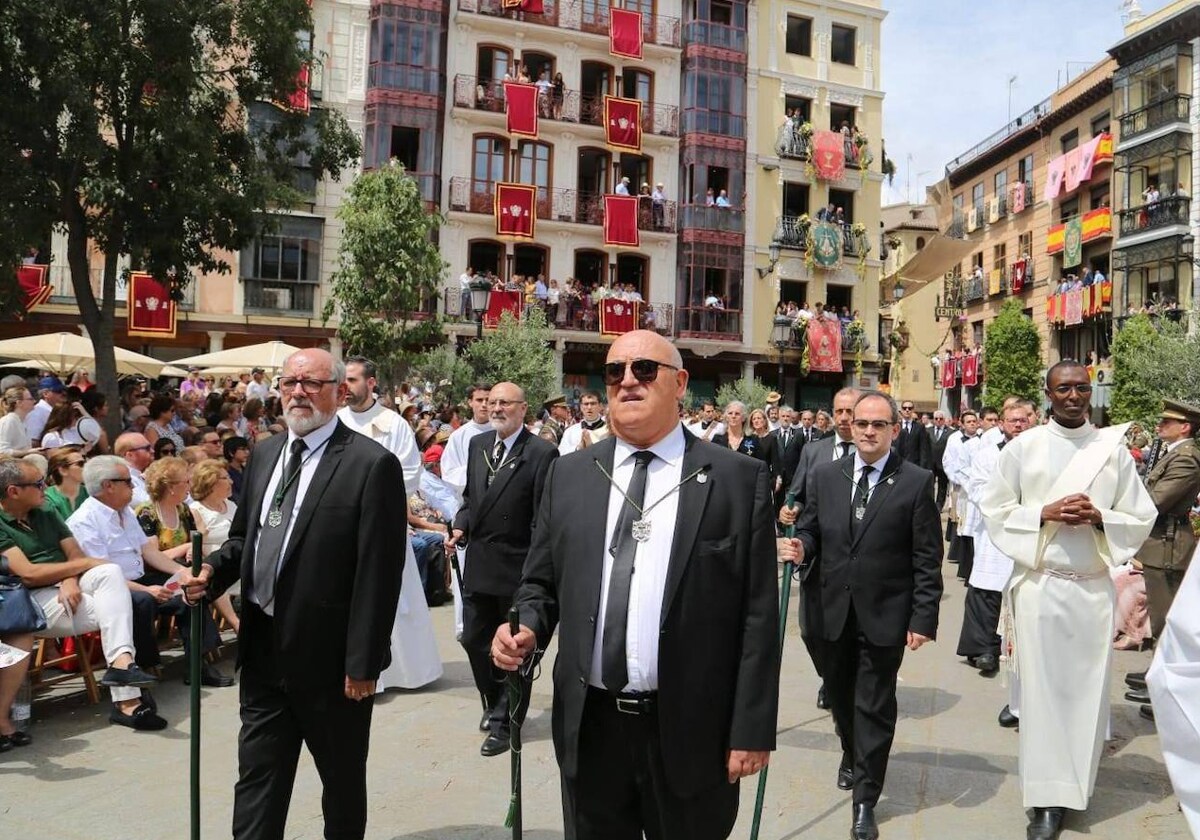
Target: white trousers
(105,606)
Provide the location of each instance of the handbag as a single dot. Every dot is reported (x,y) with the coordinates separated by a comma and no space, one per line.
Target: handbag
(19,613)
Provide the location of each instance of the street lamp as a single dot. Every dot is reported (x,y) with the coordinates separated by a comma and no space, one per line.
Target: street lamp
(781,335)
(898,291)
(481,293)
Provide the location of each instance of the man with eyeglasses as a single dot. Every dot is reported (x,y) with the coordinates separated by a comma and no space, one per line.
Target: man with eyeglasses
(955,461)
(1066,504)
(77,593)
(871,586)
(313,543)
(591,429)
(211,442)
(506,474)
(138,453)
(913,443)
(666,684)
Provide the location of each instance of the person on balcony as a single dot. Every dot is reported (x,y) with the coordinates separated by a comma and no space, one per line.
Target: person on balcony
(544,86)
(723,199)
(710,198)
(557,94)
(623,187)
(1180,191)
(658,204)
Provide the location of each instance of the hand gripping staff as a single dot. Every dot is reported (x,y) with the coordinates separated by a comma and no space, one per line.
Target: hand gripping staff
(196,659)
(785,595)
(515,688)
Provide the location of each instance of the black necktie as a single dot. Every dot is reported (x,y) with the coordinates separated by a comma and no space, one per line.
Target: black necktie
(497,456)
(787,438)
(845,448)
(270,540)
(613,671)
(862,492)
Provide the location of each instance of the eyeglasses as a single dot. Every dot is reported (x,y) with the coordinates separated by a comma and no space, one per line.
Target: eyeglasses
(503,403)
(145,448)
(877,425)
(309,386)
(39,484)
(128,481)
(1065,390)
(906,408)
(644,370)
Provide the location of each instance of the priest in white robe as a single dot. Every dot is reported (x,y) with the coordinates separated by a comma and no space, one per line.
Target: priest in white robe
(1066,504)
(955,461)
(591,429)
(415,660)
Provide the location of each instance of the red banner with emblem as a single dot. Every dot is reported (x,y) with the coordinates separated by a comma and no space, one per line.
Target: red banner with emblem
(623,123)
(520,108)
(618,316)
(1018,276)
(621,221)
(515,209)
(34,282)
(949,371)
(824,345)
(625,33)
(970,370)
(500,302)
(829,155)
(151,309)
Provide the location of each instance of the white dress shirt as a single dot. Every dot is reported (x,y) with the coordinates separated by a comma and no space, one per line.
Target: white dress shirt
(311,458)
(838,454)
(141,496)
(651,558)
(877,470)
(35,420)
(110,534)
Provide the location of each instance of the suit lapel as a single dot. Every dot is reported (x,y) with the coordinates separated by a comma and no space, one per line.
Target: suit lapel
(882,490)
(256,492)
(326,467)
(512,463)
(693,497)
(591,522)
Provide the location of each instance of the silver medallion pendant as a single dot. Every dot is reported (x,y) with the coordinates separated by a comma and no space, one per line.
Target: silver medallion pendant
(641,530)
(275,518)
(860,512)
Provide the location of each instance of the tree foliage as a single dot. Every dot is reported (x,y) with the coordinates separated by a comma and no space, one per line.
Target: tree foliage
(517,351)
(388,267)
(750,391)
(1153,360)
(445,371)
(142,128)
(1013,351)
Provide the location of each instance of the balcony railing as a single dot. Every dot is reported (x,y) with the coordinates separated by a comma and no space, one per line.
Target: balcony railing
(1149,117)
(975,289)
(1163,213)
(62,288)
(389,76)
(712,34)
(790,144)
(430,185)
(576,107)
(707,322)
(792,232)
(578,314)
(562,205)
(855,244)
(729,219)
(662,30)
(704,121)
(275,298)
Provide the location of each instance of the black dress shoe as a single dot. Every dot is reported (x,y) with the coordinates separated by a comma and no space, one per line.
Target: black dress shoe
(1045,824)
(822,700)
(496,743)
(485,722)
(1138,695)
(17,739)
(1146,711)
(987,664)
(1136,679)
(864,827)
(210,677)
(845,776)
(1007,719)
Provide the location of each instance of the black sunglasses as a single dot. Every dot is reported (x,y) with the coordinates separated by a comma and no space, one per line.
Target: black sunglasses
(644,370)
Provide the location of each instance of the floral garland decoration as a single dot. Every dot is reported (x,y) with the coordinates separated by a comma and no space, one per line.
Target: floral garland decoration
(800,330)
(806,133)
(859,231)
(810,247)
(856,335)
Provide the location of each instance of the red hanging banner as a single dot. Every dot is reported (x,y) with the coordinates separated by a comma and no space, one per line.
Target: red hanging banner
(625,33)
(521,109)
(829,155)
(151,309)
(299,99)
(618,316)
(970,370)
(533,7)
(1016,203)
(949,371)
(1018,276)
(824,345)
(623,123)
(515,210)
(34,281)
(621,221)
(500,302)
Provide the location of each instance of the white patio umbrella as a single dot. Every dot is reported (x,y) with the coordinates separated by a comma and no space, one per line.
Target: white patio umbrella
(269,356)
(67,352)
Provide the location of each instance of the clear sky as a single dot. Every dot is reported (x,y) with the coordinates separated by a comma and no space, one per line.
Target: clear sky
(946,66)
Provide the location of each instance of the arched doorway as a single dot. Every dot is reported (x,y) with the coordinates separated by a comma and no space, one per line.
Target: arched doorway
(595,80)
(592,179)
(530,260)
(486,256)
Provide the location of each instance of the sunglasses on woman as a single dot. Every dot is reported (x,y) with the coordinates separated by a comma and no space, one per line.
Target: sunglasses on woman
(644,370)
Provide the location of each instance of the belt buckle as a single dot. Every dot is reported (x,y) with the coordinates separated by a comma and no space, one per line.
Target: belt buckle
(629,705)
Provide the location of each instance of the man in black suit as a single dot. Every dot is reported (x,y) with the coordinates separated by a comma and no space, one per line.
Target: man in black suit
(666,684)
(913,443)
(870,587)
(313,544)
(938,435)
(506,471)
(788,443)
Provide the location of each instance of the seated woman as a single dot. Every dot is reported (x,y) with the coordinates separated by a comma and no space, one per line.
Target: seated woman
(213,511)
(64,475)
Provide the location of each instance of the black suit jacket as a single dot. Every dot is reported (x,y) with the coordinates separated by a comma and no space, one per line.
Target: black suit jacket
(789,456)
(335,600)
(915,446)
(813,454)
(497,522)
(763,448)
(718,655)
(937,447)
(890,568)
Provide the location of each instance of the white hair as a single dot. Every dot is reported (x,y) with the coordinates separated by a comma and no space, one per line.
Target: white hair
(100,469)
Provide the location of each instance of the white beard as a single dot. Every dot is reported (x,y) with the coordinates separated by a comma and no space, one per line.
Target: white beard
(302,425)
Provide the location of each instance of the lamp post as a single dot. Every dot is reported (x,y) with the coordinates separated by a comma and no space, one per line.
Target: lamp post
(781,335)
(481,293)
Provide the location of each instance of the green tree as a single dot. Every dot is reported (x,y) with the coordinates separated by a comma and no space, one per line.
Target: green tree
(1153,360)
(1013,351)
(143,129)
(519,352)
(388,266)
(750,391)
(445,370)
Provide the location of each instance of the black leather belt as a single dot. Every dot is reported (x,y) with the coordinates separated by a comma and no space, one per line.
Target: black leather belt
(629,702)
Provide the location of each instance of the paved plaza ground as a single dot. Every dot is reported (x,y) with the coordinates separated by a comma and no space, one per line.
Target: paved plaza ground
(952,773)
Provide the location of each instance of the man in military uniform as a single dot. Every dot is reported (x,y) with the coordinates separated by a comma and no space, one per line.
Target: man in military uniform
(559,416)
(1174,483)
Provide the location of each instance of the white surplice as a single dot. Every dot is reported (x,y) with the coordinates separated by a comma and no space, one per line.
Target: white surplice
(415,660)
(991,568)
(1062,597)
(1174,683)
(454,473)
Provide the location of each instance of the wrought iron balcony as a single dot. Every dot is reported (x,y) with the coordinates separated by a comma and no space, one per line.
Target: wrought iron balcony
(975,289)
(1161,112)
(855,244)
(712,34)
(1163,213)
(63,288)
(562,205)
(580,16)
(704,217)
(709,322)
(574,313)
(792,232)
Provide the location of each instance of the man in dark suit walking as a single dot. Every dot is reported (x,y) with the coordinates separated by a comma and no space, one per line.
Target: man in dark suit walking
(913,442)
(313,544)
(666,684)
(938,435)
(871,586)
(789,444)
(506,471)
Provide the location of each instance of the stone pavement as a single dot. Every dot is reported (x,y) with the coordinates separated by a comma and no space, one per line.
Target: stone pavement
(952,774)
